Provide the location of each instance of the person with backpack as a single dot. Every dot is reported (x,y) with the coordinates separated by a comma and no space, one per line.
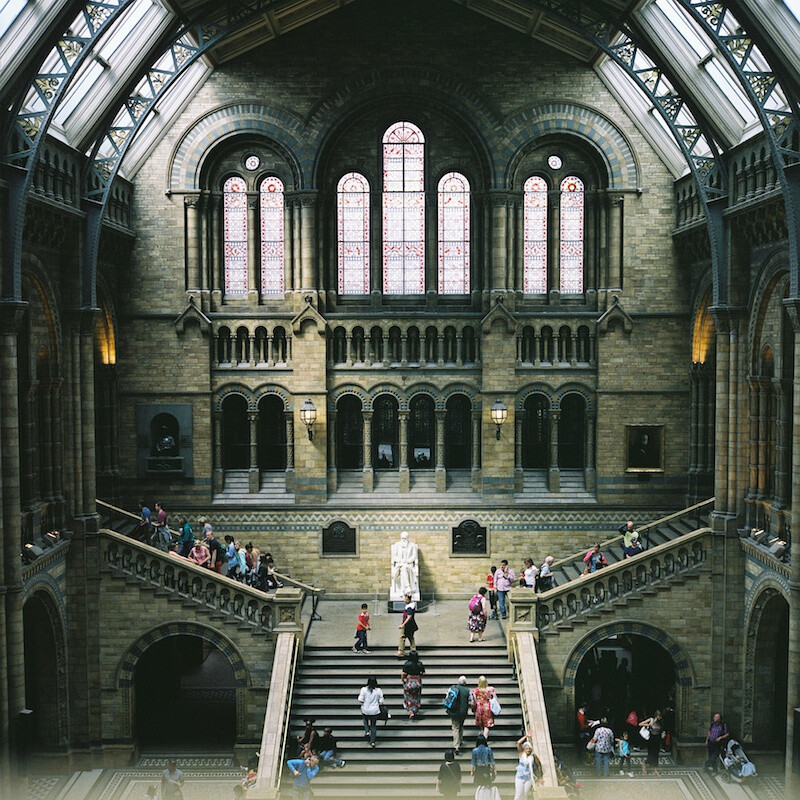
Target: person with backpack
(478,614)
(448,782)
(456,706)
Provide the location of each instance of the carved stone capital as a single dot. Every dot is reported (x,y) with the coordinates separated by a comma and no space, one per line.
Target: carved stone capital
(12,312)
(191,200)
(726,318)
(792,306)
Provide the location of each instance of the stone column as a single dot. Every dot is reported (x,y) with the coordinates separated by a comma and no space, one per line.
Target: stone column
(752,489)
(253,261)
(784,432)
(12,663)
(191,203)
(554,474)
(57,451)
(288,418)
(440,471)
(254,474)
(615,221)
(88,439)
(46,440)
(722,322)
(308,224)
(405,476)
(589,473)
(369,475)
(476,451)
(205,260)
(333,474)
(218,478)
(499,253)
(519,474)
(215,261)
(761,442)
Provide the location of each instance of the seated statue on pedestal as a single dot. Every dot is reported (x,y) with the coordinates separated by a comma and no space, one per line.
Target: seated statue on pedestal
(405,569)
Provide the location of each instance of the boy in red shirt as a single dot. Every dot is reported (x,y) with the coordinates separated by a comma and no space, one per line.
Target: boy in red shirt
(362,626)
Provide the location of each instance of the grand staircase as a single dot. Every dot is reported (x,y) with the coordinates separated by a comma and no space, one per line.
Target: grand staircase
(408,754)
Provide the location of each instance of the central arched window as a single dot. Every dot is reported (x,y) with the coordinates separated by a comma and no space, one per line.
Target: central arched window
(403,210)
(535,247)
(234,202)
(352,194)
(571,255)
(454,234)
(271,198)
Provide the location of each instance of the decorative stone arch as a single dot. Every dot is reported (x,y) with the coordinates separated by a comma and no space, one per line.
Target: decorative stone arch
(570,119)
(281,128)
(428,390)
(531,389)
(266,389)
(124,674)
(356,391)
(685,672)
(773,271)
(450,96)
(227,391)
(45,589)
(390,389)
(449,389)
(574,388)
(35,274)
(702,322)
(766,587)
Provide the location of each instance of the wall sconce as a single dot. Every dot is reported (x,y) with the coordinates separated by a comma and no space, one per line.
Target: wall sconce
(499,414)
(51,539)
(308,413)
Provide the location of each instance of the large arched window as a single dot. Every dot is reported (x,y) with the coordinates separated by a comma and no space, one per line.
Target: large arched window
(234,205)
(571,255)
(403,210)
(454,234)
(535,248)
(271,198)
(353,233)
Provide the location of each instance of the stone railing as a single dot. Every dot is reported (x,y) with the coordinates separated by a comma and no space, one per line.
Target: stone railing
(196,584)
(590,593)
(46,560)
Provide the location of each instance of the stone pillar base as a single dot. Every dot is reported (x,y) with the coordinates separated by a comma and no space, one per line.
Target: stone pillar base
(554,480)
(590,480)
(289,481)
(477,481)
(519,480)
(368,480)
(333,481)
(405,480)
(441,480)
(217,481)
(254,481)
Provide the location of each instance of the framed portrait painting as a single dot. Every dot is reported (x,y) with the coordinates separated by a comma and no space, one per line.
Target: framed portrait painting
(644,448)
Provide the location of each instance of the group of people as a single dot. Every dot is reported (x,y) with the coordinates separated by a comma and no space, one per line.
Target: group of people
(500,580)
(244,563)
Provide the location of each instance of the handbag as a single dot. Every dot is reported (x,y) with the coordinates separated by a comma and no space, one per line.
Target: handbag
(645,733)
(590,745)
(494,705)
(383,713)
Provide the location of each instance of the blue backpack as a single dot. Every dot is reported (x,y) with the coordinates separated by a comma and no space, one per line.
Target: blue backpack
(451,697)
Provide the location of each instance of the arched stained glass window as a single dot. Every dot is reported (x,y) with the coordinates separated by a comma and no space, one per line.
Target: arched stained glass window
(572,207)
(234,205)
(535,247)
(271,198)
(454,234)
(353,237)
(403,210)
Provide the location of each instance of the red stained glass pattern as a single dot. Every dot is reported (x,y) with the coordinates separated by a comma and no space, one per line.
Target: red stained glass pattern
(535,246)
(234,210)
(353,235)
(572,204)
(403,209)
(454,234)
(271,199)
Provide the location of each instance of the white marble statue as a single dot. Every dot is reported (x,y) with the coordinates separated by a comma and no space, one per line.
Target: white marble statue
(405,569)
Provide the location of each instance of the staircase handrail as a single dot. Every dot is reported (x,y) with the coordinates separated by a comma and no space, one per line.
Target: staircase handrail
(619,537)
(645,569)
(200,584)
(137,517)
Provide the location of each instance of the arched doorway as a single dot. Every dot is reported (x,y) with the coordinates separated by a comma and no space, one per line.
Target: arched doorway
(235,433)
(535,433)
(385,433)
(625,671)
(768,656)
(458,433)
(271,433)
(572,432)
(349,433)
(185,694)
(45,693)
(421,432)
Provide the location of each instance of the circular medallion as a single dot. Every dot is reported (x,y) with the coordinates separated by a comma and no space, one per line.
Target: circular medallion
(252,163)
(554,162)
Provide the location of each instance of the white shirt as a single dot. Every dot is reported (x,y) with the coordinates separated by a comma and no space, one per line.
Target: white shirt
(530,574)
(370,700)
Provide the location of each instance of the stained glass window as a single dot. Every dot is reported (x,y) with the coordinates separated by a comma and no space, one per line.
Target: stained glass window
(572,204)
(353,236)
(403,210)
(453,234)
(535,247)
(234,195)
(271,236)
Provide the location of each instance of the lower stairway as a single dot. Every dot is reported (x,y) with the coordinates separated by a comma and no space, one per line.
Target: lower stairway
(408,753)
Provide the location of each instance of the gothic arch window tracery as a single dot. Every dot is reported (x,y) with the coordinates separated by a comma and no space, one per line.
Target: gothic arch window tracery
(352,195)
(234,210)
(572,235)
(535,235)
(454,233)
(271,202)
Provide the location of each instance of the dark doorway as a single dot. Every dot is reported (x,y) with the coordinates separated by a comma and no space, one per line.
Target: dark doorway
(770,675)
(627,672)
(41,676)
(185,695)
(271,431)
(421,433)
(235,433)
(458,432)
(536,433)
(385,433)
(349,433)
(572,432)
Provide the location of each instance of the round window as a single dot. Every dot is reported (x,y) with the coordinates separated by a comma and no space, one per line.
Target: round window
(554,162)
(252,163)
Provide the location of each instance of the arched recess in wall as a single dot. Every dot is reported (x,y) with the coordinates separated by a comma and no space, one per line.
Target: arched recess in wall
(125,674)
(106,408)
(684,670)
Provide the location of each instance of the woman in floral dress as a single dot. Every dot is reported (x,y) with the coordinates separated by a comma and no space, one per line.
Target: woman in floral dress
(412,684)
(481,699)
